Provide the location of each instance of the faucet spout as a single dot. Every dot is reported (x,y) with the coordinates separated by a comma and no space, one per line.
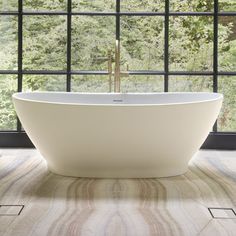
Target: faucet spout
(117,68)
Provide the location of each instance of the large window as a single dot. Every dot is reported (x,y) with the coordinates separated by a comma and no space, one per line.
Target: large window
(169,45)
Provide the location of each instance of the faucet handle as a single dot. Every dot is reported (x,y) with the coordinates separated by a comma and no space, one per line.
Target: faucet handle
(125,73)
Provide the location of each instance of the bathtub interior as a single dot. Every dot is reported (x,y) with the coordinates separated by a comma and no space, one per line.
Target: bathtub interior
(120,98)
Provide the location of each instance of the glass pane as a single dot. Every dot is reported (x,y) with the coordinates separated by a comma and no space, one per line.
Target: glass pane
(36,5)
(191,6)
(190,84)
(8,86)
(143,6)
(227,5)
(8,5)
(44,83)
(44,42)
(92,37)
(142,83)
(93,5)
(227,118)
(90,83)
(142,42)
(227,43)
(8,42)
(191,43)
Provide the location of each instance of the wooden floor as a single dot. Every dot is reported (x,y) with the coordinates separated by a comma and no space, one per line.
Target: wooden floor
(57,205)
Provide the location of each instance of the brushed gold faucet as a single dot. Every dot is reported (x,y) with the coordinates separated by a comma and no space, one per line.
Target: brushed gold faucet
(110,70)
(117,73)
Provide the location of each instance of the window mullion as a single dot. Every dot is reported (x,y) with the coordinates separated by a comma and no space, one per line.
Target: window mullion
(166,53)
(20,52)
(117,19)
(68,79)
(215,59)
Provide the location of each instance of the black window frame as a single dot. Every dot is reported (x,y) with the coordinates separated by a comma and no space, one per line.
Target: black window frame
(215,140)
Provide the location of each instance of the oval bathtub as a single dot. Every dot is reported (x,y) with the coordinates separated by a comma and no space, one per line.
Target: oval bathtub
(117,135)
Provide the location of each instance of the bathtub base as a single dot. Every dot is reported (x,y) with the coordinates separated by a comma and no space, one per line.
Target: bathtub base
(148,173)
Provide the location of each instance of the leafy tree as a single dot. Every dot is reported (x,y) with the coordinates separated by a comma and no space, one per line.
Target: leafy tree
(142,47)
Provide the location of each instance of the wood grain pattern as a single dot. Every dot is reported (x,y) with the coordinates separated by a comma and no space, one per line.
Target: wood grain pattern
(58,205)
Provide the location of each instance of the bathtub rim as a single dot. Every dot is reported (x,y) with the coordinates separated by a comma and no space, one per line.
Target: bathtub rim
(16,96)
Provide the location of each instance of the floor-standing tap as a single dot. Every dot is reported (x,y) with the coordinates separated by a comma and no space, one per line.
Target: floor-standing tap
(110,70)
(117,68)
(117,73)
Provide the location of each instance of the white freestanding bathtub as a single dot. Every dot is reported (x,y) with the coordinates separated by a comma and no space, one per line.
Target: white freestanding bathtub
(117,135)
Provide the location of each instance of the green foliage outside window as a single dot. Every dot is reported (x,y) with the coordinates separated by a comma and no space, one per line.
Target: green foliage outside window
(142,48)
